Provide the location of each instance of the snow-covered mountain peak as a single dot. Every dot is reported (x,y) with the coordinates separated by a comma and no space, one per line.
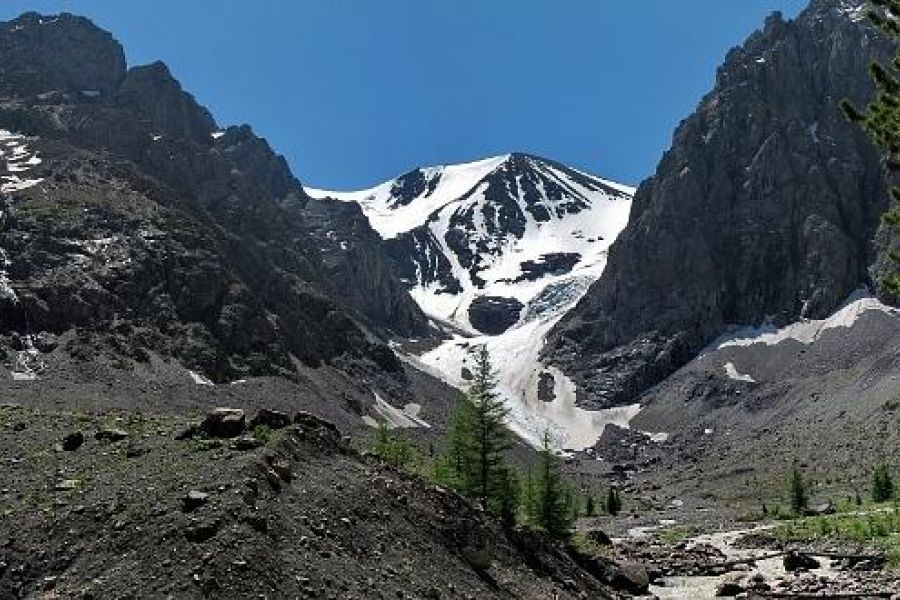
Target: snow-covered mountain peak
(493,233)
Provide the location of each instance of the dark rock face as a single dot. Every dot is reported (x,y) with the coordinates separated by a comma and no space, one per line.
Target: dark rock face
(492,315)
(151,93)
(146,233)
(412,185)
(556,263)
(65,53)
(764,208)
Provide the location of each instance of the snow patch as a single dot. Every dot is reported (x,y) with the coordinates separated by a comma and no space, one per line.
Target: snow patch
(28,363)
(807,331)
(199,379)
(395,418)
(18,158)
(732,372)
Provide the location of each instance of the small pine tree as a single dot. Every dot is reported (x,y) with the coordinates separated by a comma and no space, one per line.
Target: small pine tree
(613,501)
(590,509)
(553,507)
(797,491)
(858,499)
(765,510)
(489,434)
(394,450)
(883,485)
(457,464)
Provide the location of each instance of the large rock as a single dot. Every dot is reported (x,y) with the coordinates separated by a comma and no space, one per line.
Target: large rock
(492,315)
(765,208)
(795,561)
(224,423)
(273,419)
(631,577)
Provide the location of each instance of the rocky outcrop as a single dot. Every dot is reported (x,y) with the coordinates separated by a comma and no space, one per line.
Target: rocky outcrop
(764,209)
(63,53)
(144,232)
(493,315)
(152,94)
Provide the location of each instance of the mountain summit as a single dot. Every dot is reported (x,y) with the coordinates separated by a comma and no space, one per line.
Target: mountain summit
(476,242)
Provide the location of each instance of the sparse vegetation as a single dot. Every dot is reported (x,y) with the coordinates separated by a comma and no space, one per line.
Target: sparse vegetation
(552,507)
(262,433)
(613,501)
(882,485)
(879,528)
(395,450)
(797,491)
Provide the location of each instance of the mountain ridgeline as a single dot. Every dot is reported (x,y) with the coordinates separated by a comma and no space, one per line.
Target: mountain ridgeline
(764,210)
(141,226)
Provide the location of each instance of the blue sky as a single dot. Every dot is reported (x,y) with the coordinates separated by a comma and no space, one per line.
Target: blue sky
(354,92)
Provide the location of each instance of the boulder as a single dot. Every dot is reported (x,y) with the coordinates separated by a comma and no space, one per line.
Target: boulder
(795,561)
(110,435)
(631,577)
(194,500)
(731,585)
(73,441)
(272,419)
(224,423)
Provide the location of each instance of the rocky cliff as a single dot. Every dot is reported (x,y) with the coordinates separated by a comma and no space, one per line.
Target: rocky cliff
(764,209)
(128,216)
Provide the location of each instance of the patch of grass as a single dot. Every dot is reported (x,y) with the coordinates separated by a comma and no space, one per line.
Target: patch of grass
(202,444)
(263,433)
(584,545)
(879,528)
(674,535)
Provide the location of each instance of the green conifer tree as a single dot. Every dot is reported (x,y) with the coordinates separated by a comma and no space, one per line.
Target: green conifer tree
(797,491)
(459,458)
(883,485)
(590,509)
(489,434)
(553,511)
(613,501)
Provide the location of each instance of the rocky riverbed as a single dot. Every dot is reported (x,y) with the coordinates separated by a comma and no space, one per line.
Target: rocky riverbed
(722,564)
